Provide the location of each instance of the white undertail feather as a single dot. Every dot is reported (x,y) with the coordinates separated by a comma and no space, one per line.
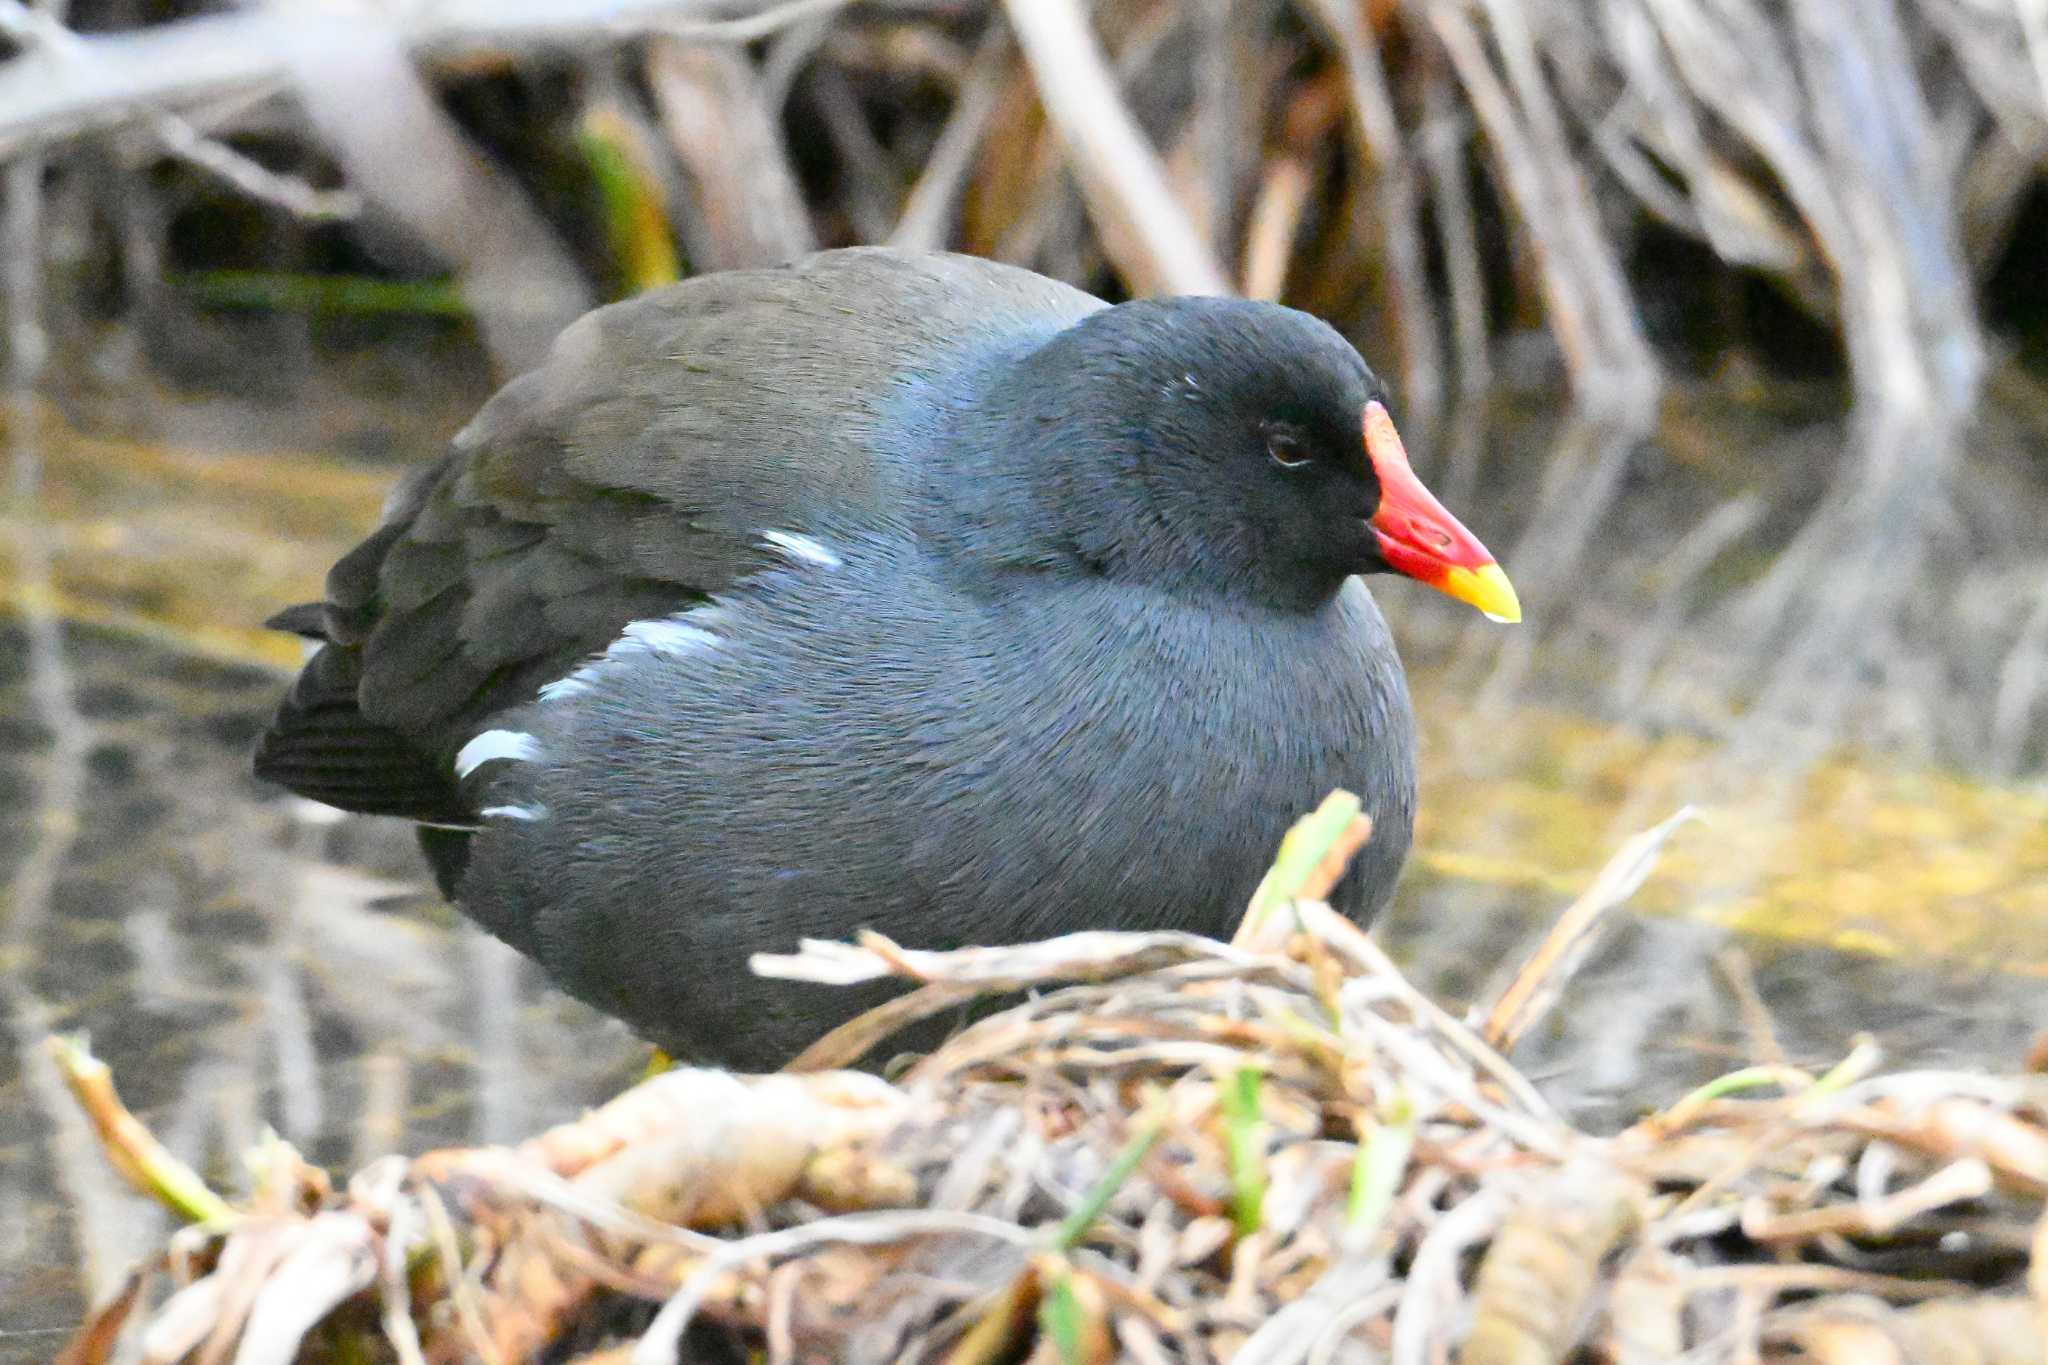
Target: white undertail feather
(513,812)
(492,745)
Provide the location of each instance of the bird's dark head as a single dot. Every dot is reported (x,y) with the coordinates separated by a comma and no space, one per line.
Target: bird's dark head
(1238,446)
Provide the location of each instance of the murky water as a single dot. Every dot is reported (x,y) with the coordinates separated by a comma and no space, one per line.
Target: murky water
(245,961)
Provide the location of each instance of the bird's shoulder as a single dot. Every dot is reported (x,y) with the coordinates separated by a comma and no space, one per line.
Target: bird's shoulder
(757,396)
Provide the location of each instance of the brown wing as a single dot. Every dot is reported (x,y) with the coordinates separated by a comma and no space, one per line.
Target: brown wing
(627,477)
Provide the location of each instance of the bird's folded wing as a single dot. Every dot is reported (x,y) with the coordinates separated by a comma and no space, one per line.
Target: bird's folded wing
(627,478)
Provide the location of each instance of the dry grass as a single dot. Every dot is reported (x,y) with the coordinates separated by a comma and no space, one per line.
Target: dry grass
(1274,1150)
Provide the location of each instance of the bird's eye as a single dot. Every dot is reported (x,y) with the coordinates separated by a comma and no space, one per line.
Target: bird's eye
(1287,451)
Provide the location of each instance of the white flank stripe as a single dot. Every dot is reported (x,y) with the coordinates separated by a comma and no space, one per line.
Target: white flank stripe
(513,812)
(492,745)
(661,637)
(575,685)
(802,548)
(675,635)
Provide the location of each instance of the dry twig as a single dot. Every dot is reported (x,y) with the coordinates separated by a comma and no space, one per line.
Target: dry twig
(1144,231)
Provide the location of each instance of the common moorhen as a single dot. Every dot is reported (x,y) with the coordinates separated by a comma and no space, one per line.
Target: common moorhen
(912,592)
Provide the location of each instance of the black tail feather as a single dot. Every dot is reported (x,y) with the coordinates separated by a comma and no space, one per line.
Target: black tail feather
(307,619)
(321,746)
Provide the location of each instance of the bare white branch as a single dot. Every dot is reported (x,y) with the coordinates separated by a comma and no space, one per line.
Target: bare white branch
(251,177)
(66,84)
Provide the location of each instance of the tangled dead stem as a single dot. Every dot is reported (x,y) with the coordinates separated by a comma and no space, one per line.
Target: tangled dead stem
(1271,1150)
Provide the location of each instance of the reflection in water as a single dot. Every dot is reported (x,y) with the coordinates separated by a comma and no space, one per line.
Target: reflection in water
(1862,855)
(243,960)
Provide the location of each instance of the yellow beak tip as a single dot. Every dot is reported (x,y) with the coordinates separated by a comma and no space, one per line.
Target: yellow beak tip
(1487,589)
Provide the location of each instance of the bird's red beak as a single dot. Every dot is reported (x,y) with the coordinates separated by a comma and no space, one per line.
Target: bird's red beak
(1419,538)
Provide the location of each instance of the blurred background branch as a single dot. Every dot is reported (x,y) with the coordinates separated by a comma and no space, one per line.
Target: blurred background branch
(1644,89)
